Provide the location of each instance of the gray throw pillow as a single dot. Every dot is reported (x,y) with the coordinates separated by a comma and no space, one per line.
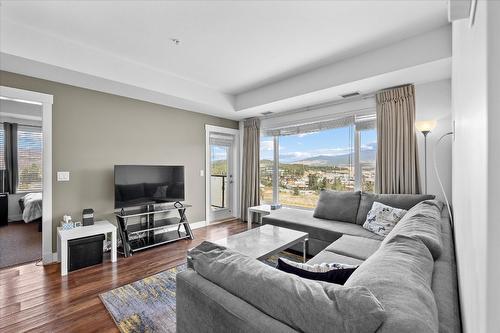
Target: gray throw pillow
(305,305)
(337,206)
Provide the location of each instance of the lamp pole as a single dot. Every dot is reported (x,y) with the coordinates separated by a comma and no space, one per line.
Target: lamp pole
(425,159)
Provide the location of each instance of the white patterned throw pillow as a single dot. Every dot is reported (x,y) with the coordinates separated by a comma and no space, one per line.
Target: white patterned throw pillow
(381,219)
(318,268)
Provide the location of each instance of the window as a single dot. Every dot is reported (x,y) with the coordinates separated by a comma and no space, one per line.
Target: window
(311,162)
(2,147)
(266,169)
(29,158)
(368,157)
(218,174)
(338,155)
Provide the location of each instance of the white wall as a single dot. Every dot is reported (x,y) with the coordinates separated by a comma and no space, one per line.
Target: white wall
(433,102)
(476,182)
(14,209)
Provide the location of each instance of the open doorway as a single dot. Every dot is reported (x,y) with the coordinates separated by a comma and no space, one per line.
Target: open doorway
(222,173)
(25,181)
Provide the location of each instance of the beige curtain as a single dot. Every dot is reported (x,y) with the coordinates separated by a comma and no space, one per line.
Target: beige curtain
(250,179)
(397,169)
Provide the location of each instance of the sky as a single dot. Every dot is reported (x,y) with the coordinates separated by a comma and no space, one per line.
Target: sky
(329,142)
(218,152)
(298,147)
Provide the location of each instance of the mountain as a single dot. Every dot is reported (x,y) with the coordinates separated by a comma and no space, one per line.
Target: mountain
(367,155)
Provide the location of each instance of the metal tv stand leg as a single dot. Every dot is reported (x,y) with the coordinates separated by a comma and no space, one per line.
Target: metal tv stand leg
(184,221)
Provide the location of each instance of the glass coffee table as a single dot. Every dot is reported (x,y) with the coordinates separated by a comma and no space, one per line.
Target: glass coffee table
(262,242)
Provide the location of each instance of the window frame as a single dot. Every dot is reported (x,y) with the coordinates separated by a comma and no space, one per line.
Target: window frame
(22,191)
(2,147)
(358,177)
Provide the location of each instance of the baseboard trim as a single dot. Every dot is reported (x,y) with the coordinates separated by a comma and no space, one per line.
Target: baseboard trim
(49,258)
(197,225)
(14,218)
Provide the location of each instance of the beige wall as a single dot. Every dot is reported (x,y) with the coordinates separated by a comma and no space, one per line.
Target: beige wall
(93,131)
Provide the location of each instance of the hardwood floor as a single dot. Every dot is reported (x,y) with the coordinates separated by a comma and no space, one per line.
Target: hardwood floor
(36,298)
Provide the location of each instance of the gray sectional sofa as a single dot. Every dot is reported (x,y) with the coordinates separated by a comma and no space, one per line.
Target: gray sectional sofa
(406,282)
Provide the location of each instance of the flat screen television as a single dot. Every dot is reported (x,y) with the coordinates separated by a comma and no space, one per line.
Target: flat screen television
(140,185)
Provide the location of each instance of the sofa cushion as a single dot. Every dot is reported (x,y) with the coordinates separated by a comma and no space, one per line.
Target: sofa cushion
(354,246)
(337,206)
(399,274)
(285,296)
(422,222)
(401,201)
(444,282)
(327,256)
(202,306)
(326,230)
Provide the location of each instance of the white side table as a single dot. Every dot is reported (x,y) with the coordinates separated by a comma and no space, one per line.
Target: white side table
(262,210)
(63,236)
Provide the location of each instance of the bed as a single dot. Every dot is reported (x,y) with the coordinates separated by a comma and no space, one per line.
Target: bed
(31,208)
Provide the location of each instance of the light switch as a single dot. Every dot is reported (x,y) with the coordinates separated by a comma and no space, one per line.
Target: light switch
(63,176)
(202,172)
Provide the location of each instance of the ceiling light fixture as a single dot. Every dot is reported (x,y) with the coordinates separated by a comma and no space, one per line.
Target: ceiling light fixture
(175,41)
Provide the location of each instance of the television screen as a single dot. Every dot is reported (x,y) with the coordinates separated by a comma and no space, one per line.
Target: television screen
(139,185)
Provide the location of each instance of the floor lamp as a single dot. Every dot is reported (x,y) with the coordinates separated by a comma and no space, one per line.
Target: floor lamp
(425,127)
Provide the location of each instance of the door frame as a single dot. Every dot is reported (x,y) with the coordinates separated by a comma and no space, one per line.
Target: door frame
(209,129)
(46,101)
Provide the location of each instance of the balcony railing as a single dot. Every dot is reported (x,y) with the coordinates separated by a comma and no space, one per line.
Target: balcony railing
(218,191)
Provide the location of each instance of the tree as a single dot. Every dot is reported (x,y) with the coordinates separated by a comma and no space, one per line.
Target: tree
(324,184)
(313,181)
(30,174)
(337,184)
(296,191)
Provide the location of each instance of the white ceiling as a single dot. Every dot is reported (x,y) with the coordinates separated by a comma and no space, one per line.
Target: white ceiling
(229,47)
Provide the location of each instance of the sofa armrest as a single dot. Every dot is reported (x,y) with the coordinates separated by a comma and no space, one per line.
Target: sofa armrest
(203,306)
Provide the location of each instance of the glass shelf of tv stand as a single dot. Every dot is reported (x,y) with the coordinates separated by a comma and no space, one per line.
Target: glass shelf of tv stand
(159,224)
(156,210)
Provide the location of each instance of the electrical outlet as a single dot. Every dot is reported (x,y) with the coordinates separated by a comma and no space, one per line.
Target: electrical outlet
(202,173)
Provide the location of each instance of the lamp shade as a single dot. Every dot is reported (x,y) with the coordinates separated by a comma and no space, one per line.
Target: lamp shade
(425,125)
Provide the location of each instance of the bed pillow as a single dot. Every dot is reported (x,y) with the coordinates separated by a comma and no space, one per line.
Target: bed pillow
(328,272)
(381,219)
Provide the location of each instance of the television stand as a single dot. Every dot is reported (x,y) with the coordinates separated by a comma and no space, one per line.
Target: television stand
(152,231)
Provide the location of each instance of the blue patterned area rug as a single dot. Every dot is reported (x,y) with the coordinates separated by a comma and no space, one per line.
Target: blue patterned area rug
(148,305)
